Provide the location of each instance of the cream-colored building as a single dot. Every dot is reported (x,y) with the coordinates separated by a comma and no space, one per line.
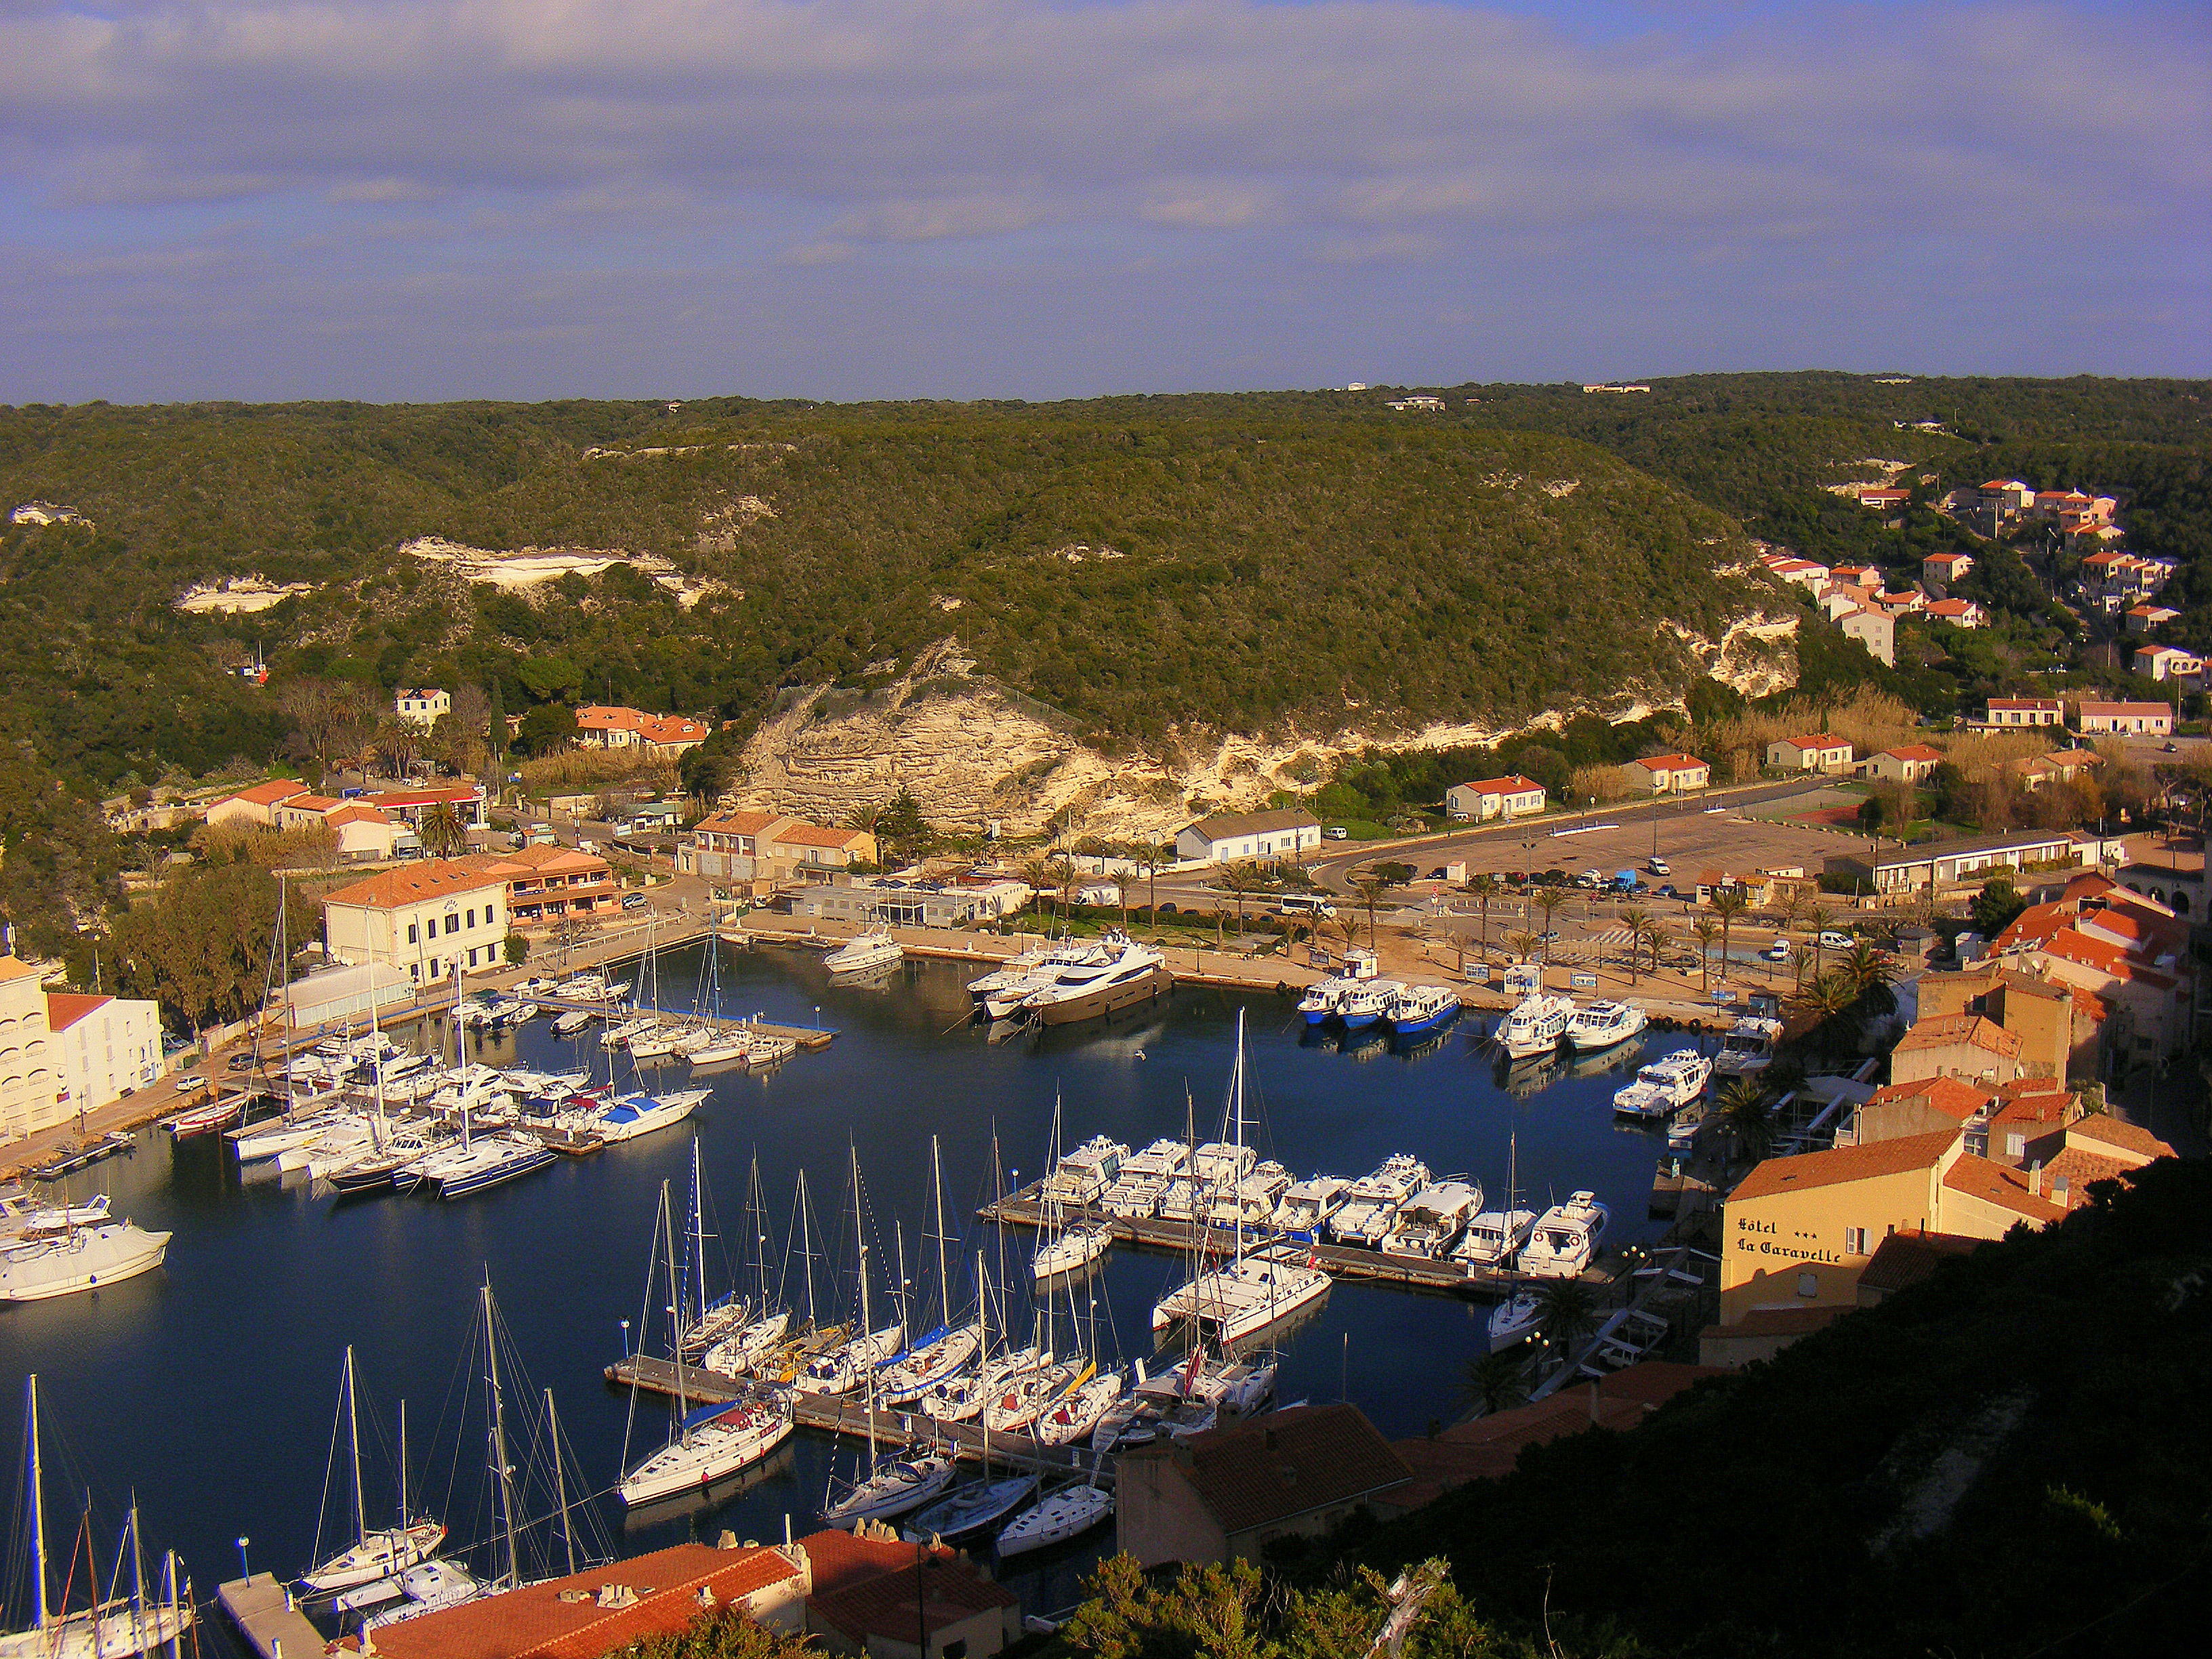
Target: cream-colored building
(257,805)
(422,706)
(1821,752)
(33,1084)
(432,919)
(1515,797)
(1669,774)
(106,1045)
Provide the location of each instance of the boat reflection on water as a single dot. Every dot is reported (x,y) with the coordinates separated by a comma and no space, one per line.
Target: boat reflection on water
(1533,1075)
(1421,1044)
(678,1507)
(1621,1057)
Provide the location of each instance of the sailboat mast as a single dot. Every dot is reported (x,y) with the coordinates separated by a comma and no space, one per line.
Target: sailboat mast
(806,1254)
(860,1248)
(675,1315)
(138,1581)
(402,1465)
(937,1187)
(698,1232)
(38,1505)
(1237,1106)
(560,1482)
(169,1597)
(983,1353)
(353,1439)
(499,1431)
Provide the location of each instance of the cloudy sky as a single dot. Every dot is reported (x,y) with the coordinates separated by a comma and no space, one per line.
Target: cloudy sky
(420,199)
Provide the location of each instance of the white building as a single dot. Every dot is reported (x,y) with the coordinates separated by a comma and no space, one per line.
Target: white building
(1669,775)
(422,706)
(2164,662)
(31,1078)
(1874,629)
(1822,752)
(1515,797)
(1233,835)
(105,1045)
(432,919)
(2013,713)
(2148,719)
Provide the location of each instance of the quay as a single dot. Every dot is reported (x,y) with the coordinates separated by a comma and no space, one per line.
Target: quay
(838,1414)
(1340,1261)
(263,1612)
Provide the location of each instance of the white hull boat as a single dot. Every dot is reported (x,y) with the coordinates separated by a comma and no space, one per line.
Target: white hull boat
(971,1508)
(1665,1086)
(1430,1221)
(429,1586)
(1515,1321)
(1232,1303)
(1494,1238)
(1075,1417)
(1072,1250)
(715,1450)
(842,1370)
(382,1555)
(1020,1400)
(1061,1515)
(1371,1204)
(868,954)
(1567,1237)
(85,1258)
(1602,1024)
(897,1485)
(634,1115)
(116,1631)
(928,1365)
(733,1356)
(1535,1026)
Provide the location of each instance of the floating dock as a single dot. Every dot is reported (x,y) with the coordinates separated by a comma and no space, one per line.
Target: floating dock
(840,1414)
(1342,1262)
(263,1610)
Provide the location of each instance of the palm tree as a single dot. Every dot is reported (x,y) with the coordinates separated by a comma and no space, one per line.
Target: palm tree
(1238,883)
(1523,945)
(1348,924)
(1819,919)
(1124,885)
(1484,888)
(1801,958)
(1706,930)
(1566,1307)
(1371,887)
(442,830)
(1495,1381)
(1830,998)
(1659,938)
(1639,922)
(1066,878)
(1870,974)
(1747,1116)
(1549,900)
(1037,872)
(1729,904)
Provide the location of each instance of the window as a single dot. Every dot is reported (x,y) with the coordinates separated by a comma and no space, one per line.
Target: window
(1855,1241)
(410,933)
(2016,1146)
(472,917)
(452,924)
(1808,1284)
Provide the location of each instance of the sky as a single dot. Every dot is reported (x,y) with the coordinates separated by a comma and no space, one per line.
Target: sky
(417,200)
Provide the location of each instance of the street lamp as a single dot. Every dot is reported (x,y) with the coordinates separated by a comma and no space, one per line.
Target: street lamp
(244,1570)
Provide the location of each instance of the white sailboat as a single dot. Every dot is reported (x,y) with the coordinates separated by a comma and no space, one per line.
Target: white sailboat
(949,1350)
(1056,1518)
(115,1627)
(388,1551)
(984,1502)
(106,1253)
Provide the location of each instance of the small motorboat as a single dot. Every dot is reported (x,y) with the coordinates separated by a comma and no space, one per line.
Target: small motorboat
(1055,1519)
(971,1508)
(867,954)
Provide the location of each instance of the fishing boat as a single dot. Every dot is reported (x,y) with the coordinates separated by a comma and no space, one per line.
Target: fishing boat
(870,953)
(1420,1009)
(1602,1024)
(1535,1026)
(1371,1203)
(1748,1047)
(1565,1238)
(114,1626)
(1363,1006)
(1664,1087)
(383,1553)
(1430,1223)
(78,1259)
(1056,1518)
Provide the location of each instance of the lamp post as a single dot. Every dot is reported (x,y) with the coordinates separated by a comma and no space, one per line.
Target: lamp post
(244,1570)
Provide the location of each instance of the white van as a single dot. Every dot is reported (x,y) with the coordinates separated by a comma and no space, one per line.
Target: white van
(1306,904)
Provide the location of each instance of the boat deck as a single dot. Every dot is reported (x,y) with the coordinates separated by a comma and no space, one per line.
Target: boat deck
(262,1609)
(843,1414)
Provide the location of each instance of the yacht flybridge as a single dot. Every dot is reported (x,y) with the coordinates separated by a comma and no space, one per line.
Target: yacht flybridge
(1748,1047)
(1665,1087)
(1565,1238)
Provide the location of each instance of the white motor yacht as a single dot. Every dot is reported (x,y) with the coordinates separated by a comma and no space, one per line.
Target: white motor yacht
(867,954)
(1664,1087)
(1748,1047)
(1602,1024)
(1133,974)
(633,1116)
(1494,1238)
(1084,1175)
(1430,1223)
(1218,1163)
(1307,1207)
(80,1259)
(1371,1203)
(1138,1188)
(1251,1202)
(1536,1025)
(1565,1238)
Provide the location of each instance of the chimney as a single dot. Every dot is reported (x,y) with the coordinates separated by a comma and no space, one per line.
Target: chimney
(2059,1188)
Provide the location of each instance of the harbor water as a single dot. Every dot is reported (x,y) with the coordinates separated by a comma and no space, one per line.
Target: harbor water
(210,1385)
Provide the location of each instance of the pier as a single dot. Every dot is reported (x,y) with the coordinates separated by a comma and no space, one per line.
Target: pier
(1340,1261)
(840,1414)
(266,1615)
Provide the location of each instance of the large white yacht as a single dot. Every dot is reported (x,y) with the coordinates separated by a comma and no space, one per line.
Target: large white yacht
(1601,1025)
(1664,1087)
(1085,1174)
(1536,1025)
(1133,973)
(1307,1207)
(1144,1177)
(1494,1238)
(1565,1238)
(1371,1203)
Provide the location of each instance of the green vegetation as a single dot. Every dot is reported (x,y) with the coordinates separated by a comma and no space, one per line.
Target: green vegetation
(2008,1459)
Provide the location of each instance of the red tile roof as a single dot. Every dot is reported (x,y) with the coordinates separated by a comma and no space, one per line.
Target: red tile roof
(1515,784)
(534,1623)
(2105,1129)
(1905,1259)
(65,1008)
(1914,752)
(387,889)
(1844,1164)
(1670,762)
(816,835)
(1993,1183)
(354,812)
(868,1587)
(1947,1095)
(1945,1029)
(2165,708)
(736,823)
(1289,1463)
(1821,741)
(268,793)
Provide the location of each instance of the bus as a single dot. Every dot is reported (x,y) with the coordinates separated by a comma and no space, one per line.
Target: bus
(1306,904)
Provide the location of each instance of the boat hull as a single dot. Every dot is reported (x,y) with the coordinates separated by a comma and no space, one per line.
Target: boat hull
(85,1261)
(1435,1022)
(1154,982)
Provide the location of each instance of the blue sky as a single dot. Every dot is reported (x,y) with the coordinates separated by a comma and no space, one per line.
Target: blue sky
(423,199)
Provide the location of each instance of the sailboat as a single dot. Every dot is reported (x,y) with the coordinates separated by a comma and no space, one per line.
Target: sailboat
(729,1440)
(388,1551)
(112,1627)
(765,1325)
(842,1369)
(1058,1516)
(1070,1248)
(1249,1293)
(984,1502)
(944,1352)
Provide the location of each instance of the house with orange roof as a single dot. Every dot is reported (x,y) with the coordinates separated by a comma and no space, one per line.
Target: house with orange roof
(876,1596)
(1968,1047)
(1513,797)
(1945,567)
(2012,712)
(422,706)
(2143,718)
(1821,751)
(1906,764)
(770,846)
(2126,950)
(363,831)
(1874,625)
(2064,1031)
(2143,618)
(2168,662)
(1669,775)
(434,920)
(1930,1105)
(611,725)
(1959,613)
(257,804)
(544,883)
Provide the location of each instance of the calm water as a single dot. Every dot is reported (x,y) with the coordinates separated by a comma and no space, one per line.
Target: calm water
(210,1385)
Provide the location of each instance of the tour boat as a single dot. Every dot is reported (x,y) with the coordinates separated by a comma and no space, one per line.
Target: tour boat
(1535,1026)
(1748,1047)
(1664,1087)
(80,1259)
(1307,1207)
(1372,1000)
(1428,1223)
(1602,1024)
(1422,1008)
(1371,1203)
(1494,1237)
(1565,1238)
(1055,1519)
(867,954)
(1324,998)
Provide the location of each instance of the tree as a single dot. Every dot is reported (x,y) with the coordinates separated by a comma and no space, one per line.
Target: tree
(1124,885)
(1037,874)
(518,950)
(546,730)
(901,825)
(1239,884)
(1549,900)
(1705,930)
(1820,920)
(201,944)
(443,832)
(1496,1381)
(1830,998)
(1370,884)
(1637,921)
(1523,944)
(1485,888)
(1727,903)
(398,742)
(1660,940)
(705,772)
(1870,973)
(1996,907)
(1746,1115)
(551,679)
(1567,1308)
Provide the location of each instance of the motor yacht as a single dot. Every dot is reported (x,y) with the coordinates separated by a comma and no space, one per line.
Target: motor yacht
(1494,1238)
(1602,1024)
(1143,1179)
(1084,1175)
(1324,998)
(1430,1223)
(1420,1009)
(1133,974)
(1371,1203)
(1749,1046)
(867,954)
(1536,1025)
(1664,1087)
(1565,1238)
(1307,1207)
(1251,1202)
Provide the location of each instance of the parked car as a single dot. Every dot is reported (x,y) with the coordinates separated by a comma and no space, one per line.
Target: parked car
(1336,832)
(1549,936)
(1659,867)
(190,1082)
(1777,952)
(241,1062)
(1832,940)
(635,901)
